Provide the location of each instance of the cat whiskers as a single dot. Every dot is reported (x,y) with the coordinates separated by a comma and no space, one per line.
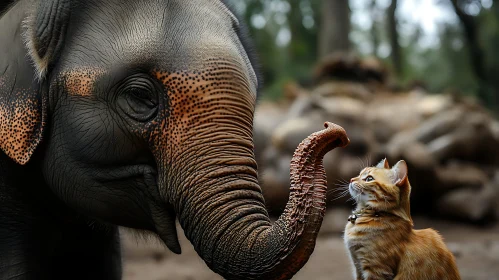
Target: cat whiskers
(342,181)
(343,189)
(363,164)
(359,189)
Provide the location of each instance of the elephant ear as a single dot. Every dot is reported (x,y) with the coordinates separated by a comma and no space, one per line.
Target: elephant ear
(28,48)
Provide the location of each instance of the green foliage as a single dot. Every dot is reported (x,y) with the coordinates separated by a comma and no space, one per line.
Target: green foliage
(285,33)
(445,67)
(285,36)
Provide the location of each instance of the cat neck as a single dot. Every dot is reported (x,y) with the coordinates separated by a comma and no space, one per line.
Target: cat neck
(368,212)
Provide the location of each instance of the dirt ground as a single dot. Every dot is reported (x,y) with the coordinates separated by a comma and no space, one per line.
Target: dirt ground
(476,250)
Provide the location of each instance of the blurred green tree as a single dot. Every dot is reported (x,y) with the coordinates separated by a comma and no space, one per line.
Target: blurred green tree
(335,27)
(290,36)
(285,34)
(488,84)
(396,54)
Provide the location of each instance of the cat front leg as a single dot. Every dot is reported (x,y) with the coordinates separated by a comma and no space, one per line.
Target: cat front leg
(356,267)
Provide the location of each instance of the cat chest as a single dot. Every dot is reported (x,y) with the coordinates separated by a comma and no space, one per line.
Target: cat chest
(370,234)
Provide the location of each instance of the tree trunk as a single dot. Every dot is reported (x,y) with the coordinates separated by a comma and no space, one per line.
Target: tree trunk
(374,27)
(335,27)
(394,39)
(477,57)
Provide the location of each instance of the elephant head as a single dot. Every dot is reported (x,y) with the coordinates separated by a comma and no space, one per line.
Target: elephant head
(146,112)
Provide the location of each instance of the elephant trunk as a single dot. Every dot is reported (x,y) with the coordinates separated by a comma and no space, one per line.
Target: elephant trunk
(224,215)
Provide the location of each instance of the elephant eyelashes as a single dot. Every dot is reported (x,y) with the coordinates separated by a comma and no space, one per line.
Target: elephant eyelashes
(138,99)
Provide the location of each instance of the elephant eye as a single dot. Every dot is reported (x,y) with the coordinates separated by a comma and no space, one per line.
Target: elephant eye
(137,98)
(369,178)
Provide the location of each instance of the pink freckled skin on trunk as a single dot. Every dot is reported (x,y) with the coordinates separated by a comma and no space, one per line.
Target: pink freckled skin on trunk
(196,98)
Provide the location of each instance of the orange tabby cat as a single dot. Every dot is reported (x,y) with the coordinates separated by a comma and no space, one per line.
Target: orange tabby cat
(379,234)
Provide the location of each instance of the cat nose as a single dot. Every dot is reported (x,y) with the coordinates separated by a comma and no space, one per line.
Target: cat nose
(351,180)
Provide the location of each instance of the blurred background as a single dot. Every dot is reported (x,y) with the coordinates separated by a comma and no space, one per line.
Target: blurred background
(407,79)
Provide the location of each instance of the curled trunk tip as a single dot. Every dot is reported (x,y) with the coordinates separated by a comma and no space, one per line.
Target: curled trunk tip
(338,131)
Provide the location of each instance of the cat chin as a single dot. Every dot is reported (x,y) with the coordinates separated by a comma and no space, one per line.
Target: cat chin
(364,198)
(352,191)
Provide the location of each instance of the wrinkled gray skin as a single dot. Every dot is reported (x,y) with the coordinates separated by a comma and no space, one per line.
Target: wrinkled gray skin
(133,113)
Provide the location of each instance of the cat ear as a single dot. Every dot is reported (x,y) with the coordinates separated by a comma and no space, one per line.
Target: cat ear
(383,164)
(400,172)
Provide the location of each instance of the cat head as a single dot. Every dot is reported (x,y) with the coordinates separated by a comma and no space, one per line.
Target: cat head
(382,188)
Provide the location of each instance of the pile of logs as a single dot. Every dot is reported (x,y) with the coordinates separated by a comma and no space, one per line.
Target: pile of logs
(451,144)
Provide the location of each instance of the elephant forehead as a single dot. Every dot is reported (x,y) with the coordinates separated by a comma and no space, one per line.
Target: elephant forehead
(171,35)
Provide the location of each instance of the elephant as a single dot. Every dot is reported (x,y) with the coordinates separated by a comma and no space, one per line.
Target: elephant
(138,113)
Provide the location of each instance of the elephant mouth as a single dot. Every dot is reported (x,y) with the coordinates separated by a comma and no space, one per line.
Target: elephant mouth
(161,217)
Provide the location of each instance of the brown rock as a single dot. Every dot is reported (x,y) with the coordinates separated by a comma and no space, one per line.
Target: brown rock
(268,158)
(415,153)
(291,132)
(350,166)
(471,141)
(382,133)
(267,117)
(438,125)
(348,66)
(494,182)
(300,107)
(341,107)
(431,105)
(334,222)
(340,167)
(393,113)
(343,89)
(469,203)
(457,175)
(276,185)
(336,183)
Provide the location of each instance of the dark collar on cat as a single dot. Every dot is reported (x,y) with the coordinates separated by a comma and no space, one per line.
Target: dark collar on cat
(364,212)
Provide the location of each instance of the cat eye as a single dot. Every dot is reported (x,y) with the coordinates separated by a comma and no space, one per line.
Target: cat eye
(369,178)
